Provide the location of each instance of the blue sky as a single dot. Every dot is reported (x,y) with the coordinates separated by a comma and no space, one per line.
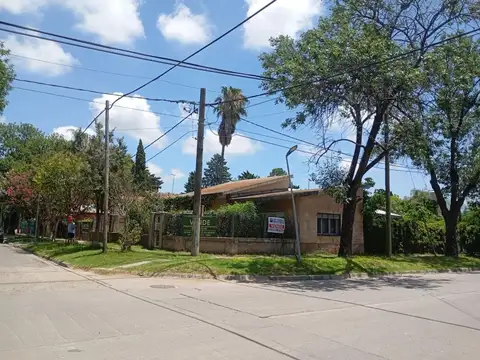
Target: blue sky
(173,29)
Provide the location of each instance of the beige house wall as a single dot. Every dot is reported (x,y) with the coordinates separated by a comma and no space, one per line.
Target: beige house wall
(308,208)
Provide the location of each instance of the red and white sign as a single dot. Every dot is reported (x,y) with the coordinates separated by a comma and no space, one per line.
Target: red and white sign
(276,225)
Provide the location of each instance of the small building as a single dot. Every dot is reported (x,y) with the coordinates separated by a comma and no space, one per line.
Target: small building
(319,216)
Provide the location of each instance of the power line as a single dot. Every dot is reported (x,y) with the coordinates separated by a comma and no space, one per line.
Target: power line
(91,101)
(189,57)
(303,141)
(357,68)
(306,151)
(104,92)
(168,131)
(169,146)
(106,72)
(89,45)
(199,50)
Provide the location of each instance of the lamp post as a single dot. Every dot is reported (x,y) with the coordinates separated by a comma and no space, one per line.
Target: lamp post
(298,252)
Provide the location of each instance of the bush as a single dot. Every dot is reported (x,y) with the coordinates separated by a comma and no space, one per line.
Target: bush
(408,236)
(469,237)
(239,220)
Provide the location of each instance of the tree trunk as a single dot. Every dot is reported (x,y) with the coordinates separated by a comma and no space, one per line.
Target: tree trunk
(55,229)
(346,236)
(451,245)
(223,152)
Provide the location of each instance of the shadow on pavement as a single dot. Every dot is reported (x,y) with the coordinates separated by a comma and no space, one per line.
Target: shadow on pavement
(378,283)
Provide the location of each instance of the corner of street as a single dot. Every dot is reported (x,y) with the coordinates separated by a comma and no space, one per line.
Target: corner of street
(50,312)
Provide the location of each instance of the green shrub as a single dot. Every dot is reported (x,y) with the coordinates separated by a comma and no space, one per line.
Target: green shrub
(408,236)
(469,237)
(239,220)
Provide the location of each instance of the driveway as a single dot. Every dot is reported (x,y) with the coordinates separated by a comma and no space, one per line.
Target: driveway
(49,312)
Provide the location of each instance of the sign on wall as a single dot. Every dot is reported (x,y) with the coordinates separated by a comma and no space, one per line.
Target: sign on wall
(276,225)
(208,226)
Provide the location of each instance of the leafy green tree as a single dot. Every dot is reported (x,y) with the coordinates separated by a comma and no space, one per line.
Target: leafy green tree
(216,172)
(59,181)
(442,128)
(231,108)
(277,172)
(6,76)
(190,184)
(357,33)
(246,175)
(22,144)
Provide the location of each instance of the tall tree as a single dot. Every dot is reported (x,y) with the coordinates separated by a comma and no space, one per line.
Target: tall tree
(231,108)
(247,175)
(357,33)
(216,172)
(442,127)
(6,76)
(140,176)
(190,184)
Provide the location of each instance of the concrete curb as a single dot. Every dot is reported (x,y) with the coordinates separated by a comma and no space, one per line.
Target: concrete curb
(49,258)
(256,278)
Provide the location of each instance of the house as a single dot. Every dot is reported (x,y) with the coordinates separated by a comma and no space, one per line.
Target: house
(319,216)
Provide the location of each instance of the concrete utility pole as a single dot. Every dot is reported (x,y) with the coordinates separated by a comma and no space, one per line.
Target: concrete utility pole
(107,175)
(37,218)
(388,205)
(173,182)
(197,201)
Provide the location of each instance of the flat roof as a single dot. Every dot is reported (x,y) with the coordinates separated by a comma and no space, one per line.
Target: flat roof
(279,194)
(239,186)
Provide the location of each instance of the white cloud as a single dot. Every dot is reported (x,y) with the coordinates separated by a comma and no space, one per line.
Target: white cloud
(131,116)
(239,145)
(22,6)
(39,49)
(67,132)
(154,169)
(285,17)
(112,21)
(177,173)
(184,26)
(3,119)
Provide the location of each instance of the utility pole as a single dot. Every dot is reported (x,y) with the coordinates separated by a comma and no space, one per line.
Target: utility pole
(388,205)
(107,175)
(37,218)
(173,183)
(197,200)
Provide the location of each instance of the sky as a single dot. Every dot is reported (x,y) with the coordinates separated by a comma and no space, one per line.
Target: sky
(174,29)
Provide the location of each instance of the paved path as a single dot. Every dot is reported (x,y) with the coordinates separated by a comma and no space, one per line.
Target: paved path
(48,312)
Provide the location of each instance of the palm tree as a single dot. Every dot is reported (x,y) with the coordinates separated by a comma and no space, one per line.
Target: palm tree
(231,108)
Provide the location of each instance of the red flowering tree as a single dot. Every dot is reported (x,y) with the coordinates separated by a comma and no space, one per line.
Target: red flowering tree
(20,192)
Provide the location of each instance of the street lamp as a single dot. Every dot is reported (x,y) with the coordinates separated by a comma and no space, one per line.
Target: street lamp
(298,252)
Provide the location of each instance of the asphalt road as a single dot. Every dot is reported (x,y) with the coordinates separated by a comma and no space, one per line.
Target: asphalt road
(48,312)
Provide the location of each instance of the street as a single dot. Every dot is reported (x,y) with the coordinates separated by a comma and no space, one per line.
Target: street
(50,312)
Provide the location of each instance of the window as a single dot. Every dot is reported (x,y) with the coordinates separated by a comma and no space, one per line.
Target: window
(328,224)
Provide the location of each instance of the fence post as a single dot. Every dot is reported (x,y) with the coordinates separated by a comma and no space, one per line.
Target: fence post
(151,233)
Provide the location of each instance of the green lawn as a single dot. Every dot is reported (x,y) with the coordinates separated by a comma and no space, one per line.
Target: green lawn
(165,262)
